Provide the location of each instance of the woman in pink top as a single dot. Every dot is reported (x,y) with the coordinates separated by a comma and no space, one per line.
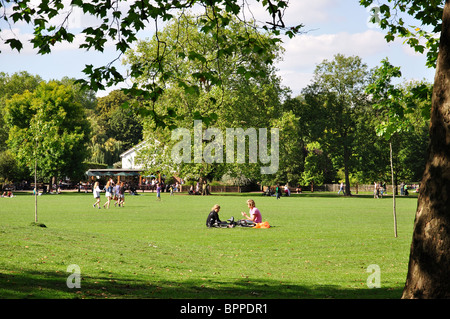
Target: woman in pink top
(255,214)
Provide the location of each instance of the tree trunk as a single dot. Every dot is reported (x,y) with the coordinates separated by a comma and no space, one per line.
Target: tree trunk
(346,171)
(36,190)
(429,263)
(393,193)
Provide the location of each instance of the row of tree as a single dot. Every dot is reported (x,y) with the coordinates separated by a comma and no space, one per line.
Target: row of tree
(330,133)
(336,130)
(60,129)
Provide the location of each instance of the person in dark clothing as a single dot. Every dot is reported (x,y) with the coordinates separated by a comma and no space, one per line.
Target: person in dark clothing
(213,219)
(278,191)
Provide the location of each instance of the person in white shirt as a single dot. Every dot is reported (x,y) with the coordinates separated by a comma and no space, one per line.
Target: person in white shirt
(96,190)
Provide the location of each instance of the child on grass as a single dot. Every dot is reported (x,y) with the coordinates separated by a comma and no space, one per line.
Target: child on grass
(116,193)
(121,196)
(108,194)
(158,192)
(96,190)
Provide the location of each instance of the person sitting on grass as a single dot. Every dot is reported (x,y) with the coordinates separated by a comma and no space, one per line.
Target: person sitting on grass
(255,215)
(213,219)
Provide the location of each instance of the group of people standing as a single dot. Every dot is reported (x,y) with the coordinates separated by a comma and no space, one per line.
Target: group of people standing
(277,191)
(204,191)
(112,192)
(116,192)
(379,189)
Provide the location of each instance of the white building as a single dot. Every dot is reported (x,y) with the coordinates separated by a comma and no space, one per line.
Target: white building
(128,157)
(154,158)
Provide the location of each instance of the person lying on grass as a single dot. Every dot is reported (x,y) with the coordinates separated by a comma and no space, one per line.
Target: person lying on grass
(213,219)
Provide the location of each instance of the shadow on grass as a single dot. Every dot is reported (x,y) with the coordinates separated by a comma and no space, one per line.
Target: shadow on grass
(48,285)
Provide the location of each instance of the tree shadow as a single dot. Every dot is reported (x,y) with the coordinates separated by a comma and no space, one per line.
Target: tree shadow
(53,285)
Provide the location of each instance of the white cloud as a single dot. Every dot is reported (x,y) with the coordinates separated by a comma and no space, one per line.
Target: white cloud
(309,12)
(305,51)
(305,12)
(296,81)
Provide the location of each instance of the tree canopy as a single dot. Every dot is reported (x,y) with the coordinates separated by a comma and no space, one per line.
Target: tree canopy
(421,34)
(248,96)
(120,21)
(338,93)
(48,126)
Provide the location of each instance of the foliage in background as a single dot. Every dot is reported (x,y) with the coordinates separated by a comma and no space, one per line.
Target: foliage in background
(115,129)
(48,126)
(421,34)
(249,94)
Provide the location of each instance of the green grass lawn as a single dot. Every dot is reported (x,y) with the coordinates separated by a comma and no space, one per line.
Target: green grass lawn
(319,247)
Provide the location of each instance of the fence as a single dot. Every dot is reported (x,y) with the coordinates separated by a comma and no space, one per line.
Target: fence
(354,189)
(228,189)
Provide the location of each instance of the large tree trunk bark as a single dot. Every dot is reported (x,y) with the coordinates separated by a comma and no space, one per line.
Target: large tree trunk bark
(429,263)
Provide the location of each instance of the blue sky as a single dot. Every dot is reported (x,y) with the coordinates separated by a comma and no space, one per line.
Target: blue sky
(334,26)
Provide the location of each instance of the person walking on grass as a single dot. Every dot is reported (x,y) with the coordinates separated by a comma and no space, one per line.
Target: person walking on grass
(158,192)
(121,196)
(278,191)
(116,193)
(108,194)
(96,190)
(341,188)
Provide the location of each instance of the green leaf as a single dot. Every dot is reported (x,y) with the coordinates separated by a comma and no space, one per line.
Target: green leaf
(14,44)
